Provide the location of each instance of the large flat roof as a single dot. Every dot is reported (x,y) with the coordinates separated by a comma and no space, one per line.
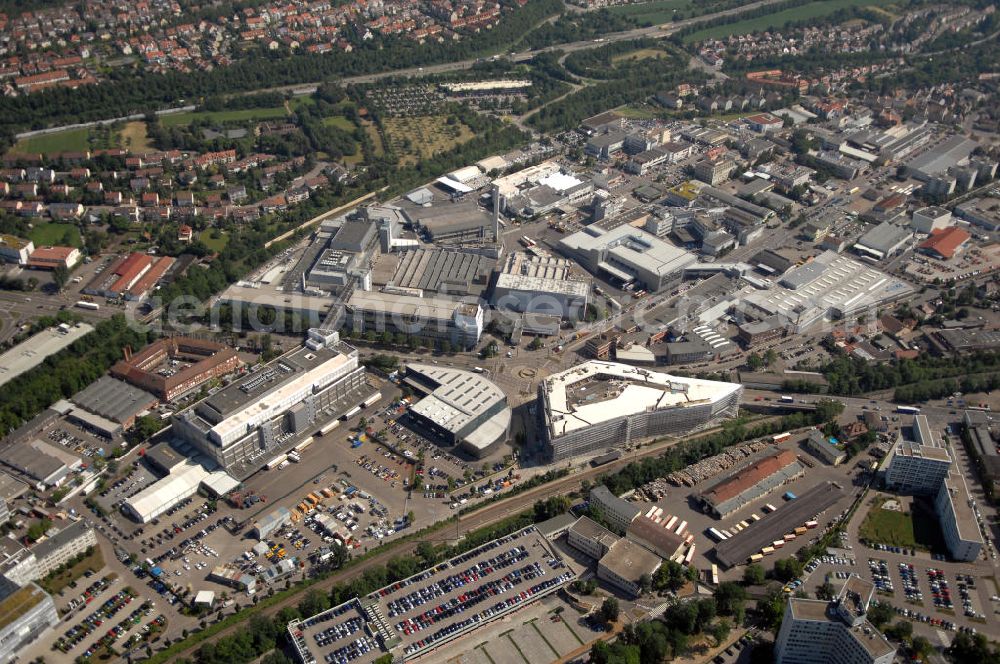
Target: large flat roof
(830,282)
(965,518)
(630,246)
(31,352)
(113,399)
(884,237)
(408,307)
(936,160)
(737,549)
(442,270)
(630,560)
(620,389)
(456,399)
(270,388)
(540,274)
(19,602)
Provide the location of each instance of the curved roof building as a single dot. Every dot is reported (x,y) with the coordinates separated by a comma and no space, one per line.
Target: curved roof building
(597,405)
(464,407)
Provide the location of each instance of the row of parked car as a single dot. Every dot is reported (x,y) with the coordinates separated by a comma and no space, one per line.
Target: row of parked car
(485,615)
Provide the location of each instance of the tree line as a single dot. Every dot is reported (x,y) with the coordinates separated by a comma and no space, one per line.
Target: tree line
(67,372)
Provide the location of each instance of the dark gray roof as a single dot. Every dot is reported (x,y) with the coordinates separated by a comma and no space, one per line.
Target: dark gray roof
(353,236)
(60,539)
(113,399)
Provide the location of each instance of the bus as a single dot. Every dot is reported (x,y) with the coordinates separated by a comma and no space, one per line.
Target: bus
(781,437)
(715,535)
(351,413)
(372,399)
(786,399)
(330,426)
(527,242)
(907,410)
(93,306)
(715,574)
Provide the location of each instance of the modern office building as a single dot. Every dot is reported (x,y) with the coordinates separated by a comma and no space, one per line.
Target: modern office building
(628,254)
(464,408)
(274,408)
(836,632)
(919,464)
(597,405)
(955,509)
(26,615)
(20,566)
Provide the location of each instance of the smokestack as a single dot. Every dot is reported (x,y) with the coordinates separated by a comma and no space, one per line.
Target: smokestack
(496,214)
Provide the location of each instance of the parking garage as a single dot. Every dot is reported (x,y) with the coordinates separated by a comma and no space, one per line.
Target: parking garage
(419,614)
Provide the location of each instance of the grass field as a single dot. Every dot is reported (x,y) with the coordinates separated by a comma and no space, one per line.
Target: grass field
(93,562)
(52,233)
(915,529)
(340,122)
(241,115)
(414,138)
(636,112)
(133,137)
(71,140)
(215,244)
(641,54)
(780,19)
(652,12)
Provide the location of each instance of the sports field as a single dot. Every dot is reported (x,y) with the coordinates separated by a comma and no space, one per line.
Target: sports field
(240,115)
(71,140)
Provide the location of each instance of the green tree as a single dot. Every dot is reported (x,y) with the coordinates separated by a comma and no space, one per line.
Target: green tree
(60,276)
(828,410)
(729,597)
(922,647)
(753,575)
(880,615)
(609,610)
(787,569)
(826,591)
(720,631)
(755,362)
